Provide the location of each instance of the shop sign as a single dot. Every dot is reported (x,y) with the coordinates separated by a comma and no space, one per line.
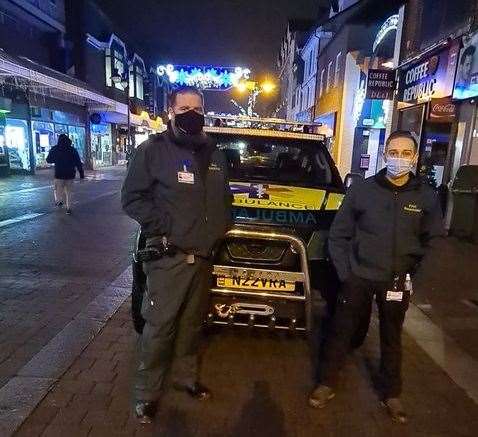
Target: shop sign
(380,84)
(430,78)
(442,110)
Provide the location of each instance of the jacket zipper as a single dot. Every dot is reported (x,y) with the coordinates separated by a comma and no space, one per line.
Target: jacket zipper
(203,183)
(394,240)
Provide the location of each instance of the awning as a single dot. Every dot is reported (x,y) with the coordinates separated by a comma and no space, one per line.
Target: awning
(40,80)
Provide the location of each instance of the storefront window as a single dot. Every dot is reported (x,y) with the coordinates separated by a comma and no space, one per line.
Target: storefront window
(101,145)
(78,138)
(44,139)
(17,144)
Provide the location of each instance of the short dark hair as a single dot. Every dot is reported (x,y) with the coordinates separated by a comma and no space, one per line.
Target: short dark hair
(402,134)
(469,51)
(186,89)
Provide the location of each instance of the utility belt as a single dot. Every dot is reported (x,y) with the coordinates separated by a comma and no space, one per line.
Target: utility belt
(159,250)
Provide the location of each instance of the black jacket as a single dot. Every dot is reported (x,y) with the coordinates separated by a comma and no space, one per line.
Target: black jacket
(382,230)
(193,216)
(66,160)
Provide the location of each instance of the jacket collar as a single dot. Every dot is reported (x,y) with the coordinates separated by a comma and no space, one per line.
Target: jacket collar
(381,178)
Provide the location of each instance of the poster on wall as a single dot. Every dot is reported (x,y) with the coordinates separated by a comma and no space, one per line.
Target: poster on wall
(466,82)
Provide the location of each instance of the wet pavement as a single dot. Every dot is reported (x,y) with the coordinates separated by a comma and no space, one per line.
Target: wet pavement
(65,365)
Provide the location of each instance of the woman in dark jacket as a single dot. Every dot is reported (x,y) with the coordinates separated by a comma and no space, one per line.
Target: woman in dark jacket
(66,160)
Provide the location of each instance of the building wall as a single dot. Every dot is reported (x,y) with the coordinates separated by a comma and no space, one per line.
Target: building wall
(55,9)
(24,32)
(309,56)
(429,21)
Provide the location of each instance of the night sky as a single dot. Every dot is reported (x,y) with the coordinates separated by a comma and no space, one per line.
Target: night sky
(215,32)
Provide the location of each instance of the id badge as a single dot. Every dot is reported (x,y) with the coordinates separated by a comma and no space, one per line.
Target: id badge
(396,296)
(185,177)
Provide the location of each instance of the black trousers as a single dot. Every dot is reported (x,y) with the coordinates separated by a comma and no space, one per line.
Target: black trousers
(174,307)
(355,302)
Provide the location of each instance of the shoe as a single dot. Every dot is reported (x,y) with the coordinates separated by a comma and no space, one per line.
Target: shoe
(395,410)
(196,391)
(68,211)
(145,411)
(59,204)
(321,396)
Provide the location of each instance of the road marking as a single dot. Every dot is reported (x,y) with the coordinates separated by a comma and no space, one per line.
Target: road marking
(22,393)
(30,216)
(25,190)
(443,349)
(20,218)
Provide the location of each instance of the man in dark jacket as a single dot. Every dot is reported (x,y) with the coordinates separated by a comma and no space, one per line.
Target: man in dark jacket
(177,190)
(66,160)
(379,235)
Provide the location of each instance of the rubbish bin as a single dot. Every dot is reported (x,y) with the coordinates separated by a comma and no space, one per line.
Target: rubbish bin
(464,222)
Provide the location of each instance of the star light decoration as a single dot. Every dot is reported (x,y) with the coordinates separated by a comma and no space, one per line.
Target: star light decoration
(212,78)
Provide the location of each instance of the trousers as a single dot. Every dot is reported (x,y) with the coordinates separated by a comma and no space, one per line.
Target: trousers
(174,307)
(354,304)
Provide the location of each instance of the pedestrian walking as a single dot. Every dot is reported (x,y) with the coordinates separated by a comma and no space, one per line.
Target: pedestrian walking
(177,189)
(383,229)
(67,161)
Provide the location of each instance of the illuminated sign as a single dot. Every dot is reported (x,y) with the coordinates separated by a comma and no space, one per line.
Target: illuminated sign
(390,24)
(204,77)
(429,78)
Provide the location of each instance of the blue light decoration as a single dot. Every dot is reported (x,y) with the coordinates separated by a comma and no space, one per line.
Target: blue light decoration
(204,77)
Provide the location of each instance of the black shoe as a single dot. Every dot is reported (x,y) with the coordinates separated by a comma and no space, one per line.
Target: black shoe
(68,211)
(145,411)
(196,390)
(321,396)
(59,204)
(395,410)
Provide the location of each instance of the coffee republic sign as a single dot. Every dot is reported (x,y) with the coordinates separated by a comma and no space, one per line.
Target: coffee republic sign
(430,78)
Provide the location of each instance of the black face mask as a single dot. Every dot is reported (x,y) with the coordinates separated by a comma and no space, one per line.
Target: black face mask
(190,122)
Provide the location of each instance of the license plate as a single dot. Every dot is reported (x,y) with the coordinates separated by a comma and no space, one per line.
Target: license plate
(255,284)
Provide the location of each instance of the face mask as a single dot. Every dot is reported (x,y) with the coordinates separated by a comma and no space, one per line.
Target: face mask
(397,167)
(190,122)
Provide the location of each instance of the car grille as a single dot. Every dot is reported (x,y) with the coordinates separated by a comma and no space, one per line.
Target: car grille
(256,250)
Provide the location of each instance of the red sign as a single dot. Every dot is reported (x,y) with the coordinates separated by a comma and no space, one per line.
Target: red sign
(442,110)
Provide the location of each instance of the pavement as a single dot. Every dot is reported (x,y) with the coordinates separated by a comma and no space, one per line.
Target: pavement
(67,343)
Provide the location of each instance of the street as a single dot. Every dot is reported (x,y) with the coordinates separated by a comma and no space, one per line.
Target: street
(67,340)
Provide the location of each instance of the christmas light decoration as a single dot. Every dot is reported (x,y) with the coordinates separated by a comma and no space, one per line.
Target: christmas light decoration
(204,77)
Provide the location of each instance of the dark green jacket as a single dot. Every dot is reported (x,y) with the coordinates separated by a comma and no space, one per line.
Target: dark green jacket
(381,230)
(193,216)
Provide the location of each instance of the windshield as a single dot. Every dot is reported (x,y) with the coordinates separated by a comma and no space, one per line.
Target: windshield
(281,161)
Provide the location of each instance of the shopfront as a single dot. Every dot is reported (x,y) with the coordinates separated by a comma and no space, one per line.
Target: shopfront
(465,96)
(426,109)
(47,125)
(101,145)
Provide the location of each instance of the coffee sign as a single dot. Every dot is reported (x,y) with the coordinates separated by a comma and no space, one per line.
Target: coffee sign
(442,110)
(380,84)
(430,78)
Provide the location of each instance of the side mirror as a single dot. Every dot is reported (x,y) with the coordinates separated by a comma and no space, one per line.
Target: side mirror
(352,178)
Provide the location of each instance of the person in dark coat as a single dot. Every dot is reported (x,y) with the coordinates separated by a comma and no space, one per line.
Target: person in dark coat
(177,189)
(381,232)
(67,161)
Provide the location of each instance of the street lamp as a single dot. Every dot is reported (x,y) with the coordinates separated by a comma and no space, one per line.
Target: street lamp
(123,80)
(254,89)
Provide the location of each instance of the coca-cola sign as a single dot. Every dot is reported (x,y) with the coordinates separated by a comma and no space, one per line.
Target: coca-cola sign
(442,110)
